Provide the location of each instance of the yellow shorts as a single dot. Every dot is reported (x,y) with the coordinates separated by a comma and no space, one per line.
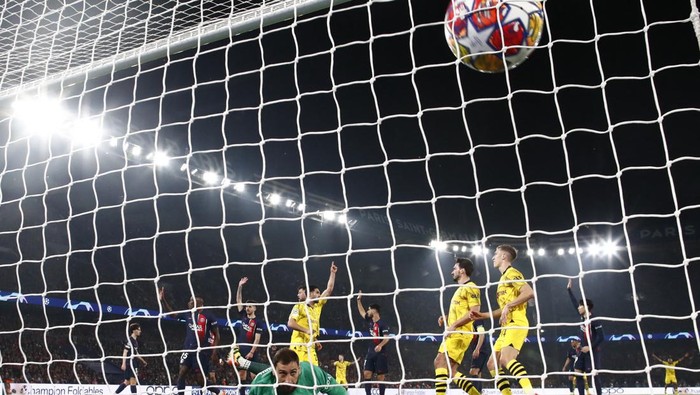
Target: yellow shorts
(341,380)
(456,345)
(670,381)
(510,337)
(307,354)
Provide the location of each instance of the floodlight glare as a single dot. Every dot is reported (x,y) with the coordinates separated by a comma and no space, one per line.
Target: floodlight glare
(113,142)
(225,182)
(476,250)
(594,249)
(609,248)
(136,150)
(530,252)
(560,251)
(289,203)
(342,219)
(85,132)
(455,248)
(464,248)
(160,159)
(328,215)
(52,118)
(541,252)
(239,187)
(572,250)
(274,199)
(210,177)
(301,206)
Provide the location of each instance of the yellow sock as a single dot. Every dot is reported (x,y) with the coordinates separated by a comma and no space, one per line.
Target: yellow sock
(465,384)
(518,370)
(441,377)
(502,383)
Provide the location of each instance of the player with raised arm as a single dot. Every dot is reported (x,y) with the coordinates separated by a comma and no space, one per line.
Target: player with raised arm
(201,340)
(305,318)
(592,338)
(670,379)
(294,378)
(512,295)
(341,367)
(458,328)
(249,333)
(376,361)
(131,360)
(570,361)
(480,354)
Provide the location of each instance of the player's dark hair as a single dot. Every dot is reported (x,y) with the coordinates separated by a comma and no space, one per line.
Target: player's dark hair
(587,302)
(313,288)
(133,327)
(250,301)
(510,250)
(285,356)
(466,264)
(302,286)
(376,308)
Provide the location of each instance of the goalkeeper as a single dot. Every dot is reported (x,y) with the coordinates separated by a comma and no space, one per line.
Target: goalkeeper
(290,376)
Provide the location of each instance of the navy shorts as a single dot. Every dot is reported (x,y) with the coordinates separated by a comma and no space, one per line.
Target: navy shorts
(129,373)
(376,362)
(583,362)
(480,361)
(189,359)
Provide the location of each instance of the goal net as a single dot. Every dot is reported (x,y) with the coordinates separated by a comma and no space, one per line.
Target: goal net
(177,147)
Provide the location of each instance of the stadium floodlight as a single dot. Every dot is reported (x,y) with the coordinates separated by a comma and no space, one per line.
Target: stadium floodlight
(85,132)
(274,199)
(301,206)
(290,203)
(541,251)
(342,219)
(328,215)
(225,182)
(160,159)
(113,142)
(210,177)
(530,252)
(571,251)
(438,245)
(464,248)
(594,249)
(239,187)
(455,248)
(52,118)
(136,150)
(477,250)
(560,251)
(609,248)
(183,167)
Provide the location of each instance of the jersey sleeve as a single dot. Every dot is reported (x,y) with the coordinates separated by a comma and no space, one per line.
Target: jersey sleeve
(515,278)
(472,295)
(260,326)
(127,345)
(384,329)
(295,313)
(327,384)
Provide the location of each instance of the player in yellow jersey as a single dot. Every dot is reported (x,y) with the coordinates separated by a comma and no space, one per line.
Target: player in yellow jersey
(341,367)
(304,320)
(670,365)
(512,294)
(458,330)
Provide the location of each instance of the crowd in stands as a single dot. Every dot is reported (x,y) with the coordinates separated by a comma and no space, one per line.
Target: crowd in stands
(77,348)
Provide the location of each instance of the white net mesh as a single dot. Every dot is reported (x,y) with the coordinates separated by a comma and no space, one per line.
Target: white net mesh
(183,145)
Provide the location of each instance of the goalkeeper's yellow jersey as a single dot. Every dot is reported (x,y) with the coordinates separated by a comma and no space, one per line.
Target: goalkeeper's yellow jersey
(670,370)
(508,289)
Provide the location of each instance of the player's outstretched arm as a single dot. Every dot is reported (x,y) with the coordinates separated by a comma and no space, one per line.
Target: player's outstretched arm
(239,294)
(360,307)
(331,281)
(164,302)
(572,297)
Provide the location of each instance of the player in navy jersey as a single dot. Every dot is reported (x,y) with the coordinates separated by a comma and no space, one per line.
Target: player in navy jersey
(592,338)
(570,362)
(480,353)
(131,360)
(201,341)
(249,333)
(376,358)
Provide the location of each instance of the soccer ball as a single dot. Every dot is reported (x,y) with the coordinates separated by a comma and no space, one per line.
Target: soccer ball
(490,36)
